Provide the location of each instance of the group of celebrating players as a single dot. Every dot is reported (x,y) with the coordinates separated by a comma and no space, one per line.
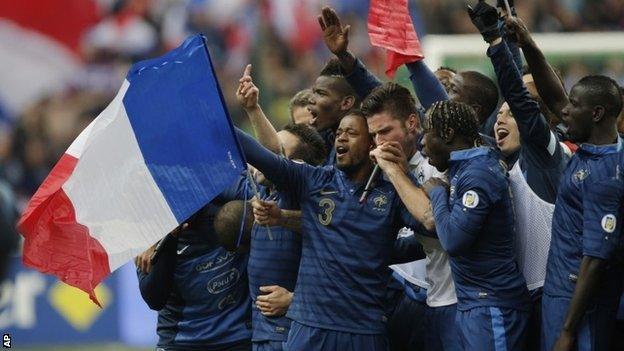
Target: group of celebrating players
(491,227)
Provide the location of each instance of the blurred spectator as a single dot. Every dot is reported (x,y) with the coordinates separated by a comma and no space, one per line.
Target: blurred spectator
(280,37)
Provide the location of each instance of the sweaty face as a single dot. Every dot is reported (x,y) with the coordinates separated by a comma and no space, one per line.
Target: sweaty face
(325,103)
(577,115)
(506,131)
(353,144)
(445,77)
(301,115)
(383,127)
(437,150)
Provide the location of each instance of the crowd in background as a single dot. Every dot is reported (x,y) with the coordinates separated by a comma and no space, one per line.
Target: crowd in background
(279,37)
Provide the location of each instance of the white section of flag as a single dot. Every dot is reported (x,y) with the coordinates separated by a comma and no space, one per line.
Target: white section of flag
(112,191)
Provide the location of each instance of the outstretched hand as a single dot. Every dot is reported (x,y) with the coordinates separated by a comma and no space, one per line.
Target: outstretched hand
(247,93)
(335,35)
(517,31)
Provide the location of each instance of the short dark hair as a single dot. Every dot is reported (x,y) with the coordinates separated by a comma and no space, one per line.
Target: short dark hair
(333,69)
(301,99)
(355,112)
(603,91)
(445,68)
(227,223)
(392,98)
(311,148)
(461,117)
(481,90)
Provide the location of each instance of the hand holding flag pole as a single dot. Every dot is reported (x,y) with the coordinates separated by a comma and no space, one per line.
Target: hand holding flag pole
(254,188)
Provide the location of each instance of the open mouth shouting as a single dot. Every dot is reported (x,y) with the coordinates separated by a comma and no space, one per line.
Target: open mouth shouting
(341,150)
(501,134)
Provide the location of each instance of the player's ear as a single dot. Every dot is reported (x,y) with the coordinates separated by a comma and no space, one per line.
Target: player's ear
(598,113)
(347,103)
(412,124)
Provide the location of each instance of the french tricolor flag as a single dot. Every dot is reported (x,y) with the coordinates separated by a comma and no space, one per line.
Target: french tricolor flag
(159,152)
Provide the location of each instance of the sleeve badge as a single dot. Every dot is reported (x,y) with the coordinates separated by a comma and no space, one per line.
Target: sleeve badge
(470,199)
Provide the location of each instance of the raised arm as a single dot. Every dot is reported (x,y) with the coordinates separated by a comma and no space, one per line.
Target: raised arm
(336,37)
(427,87)
(548,84)
(532,125)
(247,95)
(285,174)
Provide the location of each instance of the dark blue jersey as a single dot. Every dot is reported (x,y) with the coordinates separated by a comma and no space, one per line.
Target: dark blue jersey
(542,159)
(346,247)
(200,290)
(207,304)
(585,222)
(602,216)
(475,225)
(329,137)
(272,262)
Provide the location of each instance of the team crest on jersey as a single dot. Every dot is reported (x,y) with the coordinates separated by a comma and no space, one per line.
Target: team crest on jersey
(608,223)
(470,199)
(380,201)
(580,175)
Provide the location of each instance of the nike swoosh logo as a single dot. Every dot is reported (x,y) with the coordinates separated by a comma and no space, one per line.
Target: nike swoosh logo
(182,249)
(324,192)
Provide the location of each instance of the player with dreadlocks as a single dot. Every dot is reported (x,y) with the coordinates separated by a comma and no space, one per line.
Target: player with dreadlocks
(475,225)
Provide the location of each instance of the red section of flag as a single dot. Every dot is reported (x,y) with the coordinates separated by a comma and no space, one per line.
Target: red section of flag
(390,27)
(54,242)
(63,20)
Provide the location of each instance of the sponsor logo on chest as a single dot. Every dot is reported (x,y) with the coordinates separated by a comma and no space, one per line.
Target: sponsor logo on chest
(216,263)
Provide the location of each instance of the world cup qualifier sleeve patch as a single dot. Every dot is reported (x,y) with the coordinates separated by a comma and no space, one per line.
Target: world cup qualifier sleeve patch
(470,199)
(608,223)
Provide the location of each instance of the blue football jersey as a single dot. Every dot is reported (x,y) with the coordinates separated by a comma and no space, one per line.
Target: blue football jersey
(585,218)
(272,261)
(346,246)
(475,224)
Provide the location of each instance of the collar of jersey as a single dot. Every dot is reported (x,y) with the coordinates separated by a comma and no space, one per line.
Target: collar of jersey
(469,153)
(603,149)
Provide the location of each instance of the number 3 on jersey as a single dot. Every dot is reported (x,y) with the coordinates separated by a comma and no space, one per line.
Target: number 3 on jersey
(328,207)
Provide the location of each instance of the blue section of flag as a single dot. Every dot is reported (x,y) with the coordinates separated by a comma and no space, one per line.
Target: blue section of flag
(182,126)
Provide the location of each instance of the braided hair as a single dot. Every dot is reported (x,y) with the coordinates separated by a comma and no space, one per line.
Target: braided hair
(458,116)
